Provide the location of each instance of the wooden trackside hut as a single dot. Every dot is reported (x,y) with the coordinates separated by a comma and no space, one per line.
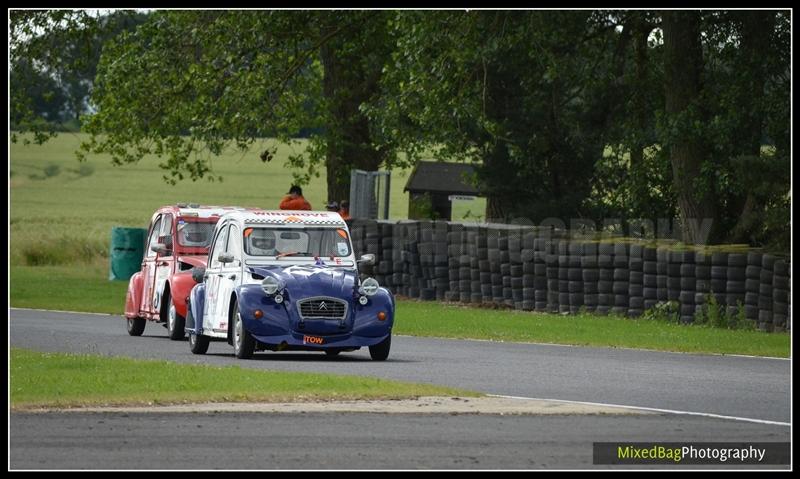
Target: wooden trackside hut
(432,186)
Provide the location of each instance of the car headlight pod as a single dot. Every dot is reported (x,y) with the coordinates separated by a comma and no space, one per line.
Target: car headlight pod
(270,285)
(369,286)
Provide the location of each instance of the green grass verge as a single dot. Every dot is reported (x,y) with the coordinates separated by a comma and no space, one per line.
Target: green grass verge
(87,289)
(68,288)
(455,321)
(74,380)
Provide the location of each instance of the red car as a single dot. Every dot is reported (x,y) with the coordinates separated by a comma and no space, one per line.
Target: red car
(177,241)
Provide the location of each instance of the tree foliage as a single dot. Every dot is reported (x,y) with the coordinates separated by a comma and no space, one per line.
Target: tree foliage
(187,84)
(587,114)
(53,58)
(509,90)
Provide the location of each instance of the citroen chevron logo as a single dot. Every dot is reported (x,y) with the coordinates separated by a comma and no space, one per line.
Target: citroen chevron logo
(322,306)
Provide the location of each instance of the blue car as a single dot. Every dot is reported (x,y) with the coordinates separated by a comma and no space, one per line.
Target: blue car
(287,280)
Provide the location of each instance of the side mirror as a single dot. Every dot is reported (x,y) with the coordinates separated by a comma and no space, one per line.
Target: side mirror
(160,248)
(166,240)
(367,259)
(225,258)
(198,274)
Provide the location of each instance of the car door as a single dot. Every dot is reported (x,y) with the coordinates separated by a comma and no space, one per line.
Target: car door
(213,274)
(229,277)
(164,263)
(149,266)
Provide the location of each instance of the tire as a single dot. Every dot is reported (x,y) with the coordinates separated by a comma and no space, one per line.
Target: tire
(380,351)
(243,343)
(198,344)
(176,323)
(136,326)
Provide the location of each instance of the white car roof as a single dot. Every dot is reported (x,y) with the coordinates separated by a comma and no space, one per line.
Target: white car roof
(289,217)
(205,211)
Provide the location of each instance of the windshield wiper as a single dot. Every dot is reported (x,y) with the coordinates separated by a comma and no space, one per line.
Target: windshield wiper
(290,253)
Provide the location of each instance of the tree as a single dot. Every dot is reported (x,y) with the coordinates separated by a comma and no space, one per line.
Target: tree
(632,178)
(35,38)
(718,86)
(186,84)
(747,94)
(507,90)
(54,56)
(37,97)
(352,63)
(683,69)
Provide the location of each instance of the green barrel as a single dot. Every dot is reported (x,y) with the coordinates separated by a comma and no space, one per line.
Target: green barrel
(127,250)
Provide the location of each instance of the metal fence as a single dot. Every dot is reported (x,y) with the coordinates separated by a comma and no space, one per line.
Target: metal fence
(369,194)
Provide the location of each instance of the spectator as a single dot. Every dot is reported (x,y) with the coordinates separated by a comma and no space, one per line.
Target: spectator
(332,206)
(294,200)
(344,210)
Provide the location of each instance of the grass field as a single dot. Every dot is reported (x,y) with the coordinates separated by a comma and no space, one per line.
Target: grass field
(74,380)
(63,209)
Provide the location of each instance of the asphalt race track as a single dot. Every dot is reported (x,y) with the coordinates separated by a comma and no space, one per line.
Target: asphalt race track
(751,394)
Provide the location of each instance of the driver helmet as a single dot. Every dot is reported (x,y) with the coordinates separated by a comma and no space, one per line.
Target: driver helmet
(262,240)
(194,235)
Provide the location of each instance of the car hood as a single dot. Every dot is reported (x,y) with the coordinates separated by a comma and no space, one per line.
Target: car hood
(308,280)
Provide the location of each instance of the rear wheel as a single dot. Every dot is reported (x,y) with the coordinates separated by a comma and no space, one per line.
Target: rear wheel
(175,323)
(380,351)
(136,326)
(243,343)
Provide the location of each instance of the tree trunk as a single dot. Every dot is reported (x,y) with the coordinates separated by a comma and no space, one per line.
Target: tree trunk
(496,175)
(347,84)
(640,31)
(683,63)
(756,30)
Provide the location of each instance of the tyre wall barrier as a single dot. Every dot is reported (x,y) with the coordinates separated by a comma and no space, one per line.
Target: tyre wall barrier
(537,269)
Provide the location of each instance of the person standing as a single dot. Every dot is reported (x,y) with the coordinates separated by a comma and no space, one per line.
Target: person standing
(344,210)
(294,200)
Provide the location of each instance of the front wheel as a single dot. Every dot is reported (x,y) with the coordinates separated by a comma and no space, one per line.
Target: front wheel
(243,343)
(136,326)
(380,351)
(175,323)
(198,343)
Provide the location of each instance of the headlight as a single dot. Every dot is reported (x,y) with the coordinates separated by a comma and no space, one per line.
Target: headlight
(270,285)
(369,286)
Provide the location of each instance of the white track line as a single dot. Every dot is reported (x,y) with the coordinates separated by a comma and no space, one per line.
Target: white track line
(643,408)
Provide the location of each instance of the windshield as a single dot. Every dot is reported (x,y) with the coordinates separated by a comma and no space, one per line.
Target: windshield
(323,242)
(195,234)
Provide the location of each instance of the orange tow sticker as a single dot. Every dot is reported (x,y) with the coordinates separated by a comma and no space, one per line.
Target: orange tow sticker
(312,340)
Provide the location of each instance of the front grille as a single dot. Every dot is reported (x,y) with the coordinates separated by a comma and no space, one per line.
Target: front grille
(323,308)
